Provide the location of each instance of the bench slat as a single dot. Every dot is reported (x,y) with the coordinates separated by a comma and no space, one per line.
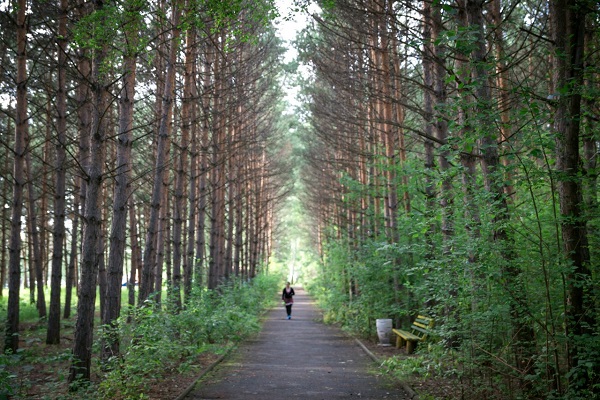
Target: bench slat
(416,328)
(406,335)
(425,321)
(420,325)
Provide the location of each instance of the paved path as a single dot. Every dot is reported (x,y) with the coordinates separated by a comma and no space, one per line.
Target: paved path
(299,358)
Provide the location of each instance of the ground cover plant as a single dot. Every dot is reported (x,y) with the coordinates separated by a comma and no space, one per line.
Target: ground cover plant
(162,351)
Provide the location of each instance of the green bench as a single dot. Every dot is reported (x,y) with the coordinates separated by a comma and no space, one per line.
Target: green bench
(418,332)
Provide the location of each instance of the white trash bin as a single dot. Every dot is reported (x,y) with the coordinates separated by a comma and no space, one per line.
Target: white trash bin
(384,331)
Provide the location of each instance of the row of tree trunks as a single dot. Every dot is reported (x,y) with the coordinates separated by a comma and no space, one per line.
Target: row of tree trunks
(464,123)
(494,183)
(220,154)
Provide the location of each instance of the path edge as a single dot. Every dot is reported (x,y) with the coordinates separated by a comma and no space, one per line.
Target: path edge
(191,386)
(202,374)
(411,393)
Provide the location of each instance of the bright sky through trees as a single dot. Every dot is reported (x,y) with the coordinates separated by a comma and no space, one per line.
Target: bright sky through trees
(288,25)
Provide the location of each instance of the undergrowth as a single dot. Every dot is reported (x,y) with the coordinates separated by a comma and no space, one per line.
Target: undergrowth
(158,341)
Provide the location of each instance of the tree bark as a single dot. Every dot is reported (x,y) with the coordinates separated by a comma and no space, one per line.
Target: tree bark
(179,206)
(150,249)
(34,237)
(136,254)
(504,103)
(58,235)
(71,277)
(92,235)
(43,198)
(3,225)
(203,177)
(568,18)
(84,118)
(193,207)
(11,341)
(428,78)
(122,191)
(217,179)
(523,345)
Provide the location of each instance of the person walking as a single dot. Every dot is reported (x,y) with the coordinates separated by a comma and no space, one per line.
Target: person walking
(288,298)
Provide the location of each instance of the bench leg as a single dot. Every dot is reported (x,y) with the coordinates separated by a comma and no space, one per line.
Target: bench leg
(410,346)
(399,341)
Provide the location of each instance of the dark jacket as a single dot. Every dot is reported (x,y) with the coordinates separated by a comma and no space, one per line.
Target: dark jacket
(286,295)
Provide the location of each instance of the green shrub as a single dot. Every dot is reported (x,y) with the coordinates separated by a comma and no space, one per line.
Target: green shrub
(159,340)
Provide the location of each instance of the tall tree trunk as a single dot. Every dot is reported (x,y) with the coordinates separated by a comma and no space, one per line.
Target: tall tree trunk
(504,104)
(122,191)
(441,126)
(148,275)
(204,171)
(11,340)
(71,277)
(58,234)
(162,240)
(186,127)
(102,278)
(29,276)
(92,235)
(428,82)
(239,231)
(150,250)
(38,268)
(43,198)
(229,165)
(136,253)
(193,207)
(217,178)
(523,334)
(84,130)
(3,225)
(590,139)
(568,18)
(388,134)
(240,195)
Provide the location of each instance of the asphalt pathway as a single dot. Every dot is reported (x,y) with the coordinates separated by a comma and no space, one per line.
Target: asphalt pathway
(300,358)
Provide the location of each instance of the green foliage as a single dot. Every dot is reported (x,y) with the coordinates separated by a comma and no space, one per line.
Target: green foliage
(122,20)
(356,289)
(97,28)
(160,341)
(235,17)
(7,378)
(476,294)
(433,362)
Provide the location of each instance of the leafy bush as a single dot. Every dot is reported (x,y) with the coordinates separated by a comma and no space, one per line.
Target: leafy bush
(159,341)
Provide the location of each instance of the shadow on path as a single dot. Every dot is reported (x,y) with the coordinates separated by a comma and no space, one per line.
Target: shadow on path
(298,358)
